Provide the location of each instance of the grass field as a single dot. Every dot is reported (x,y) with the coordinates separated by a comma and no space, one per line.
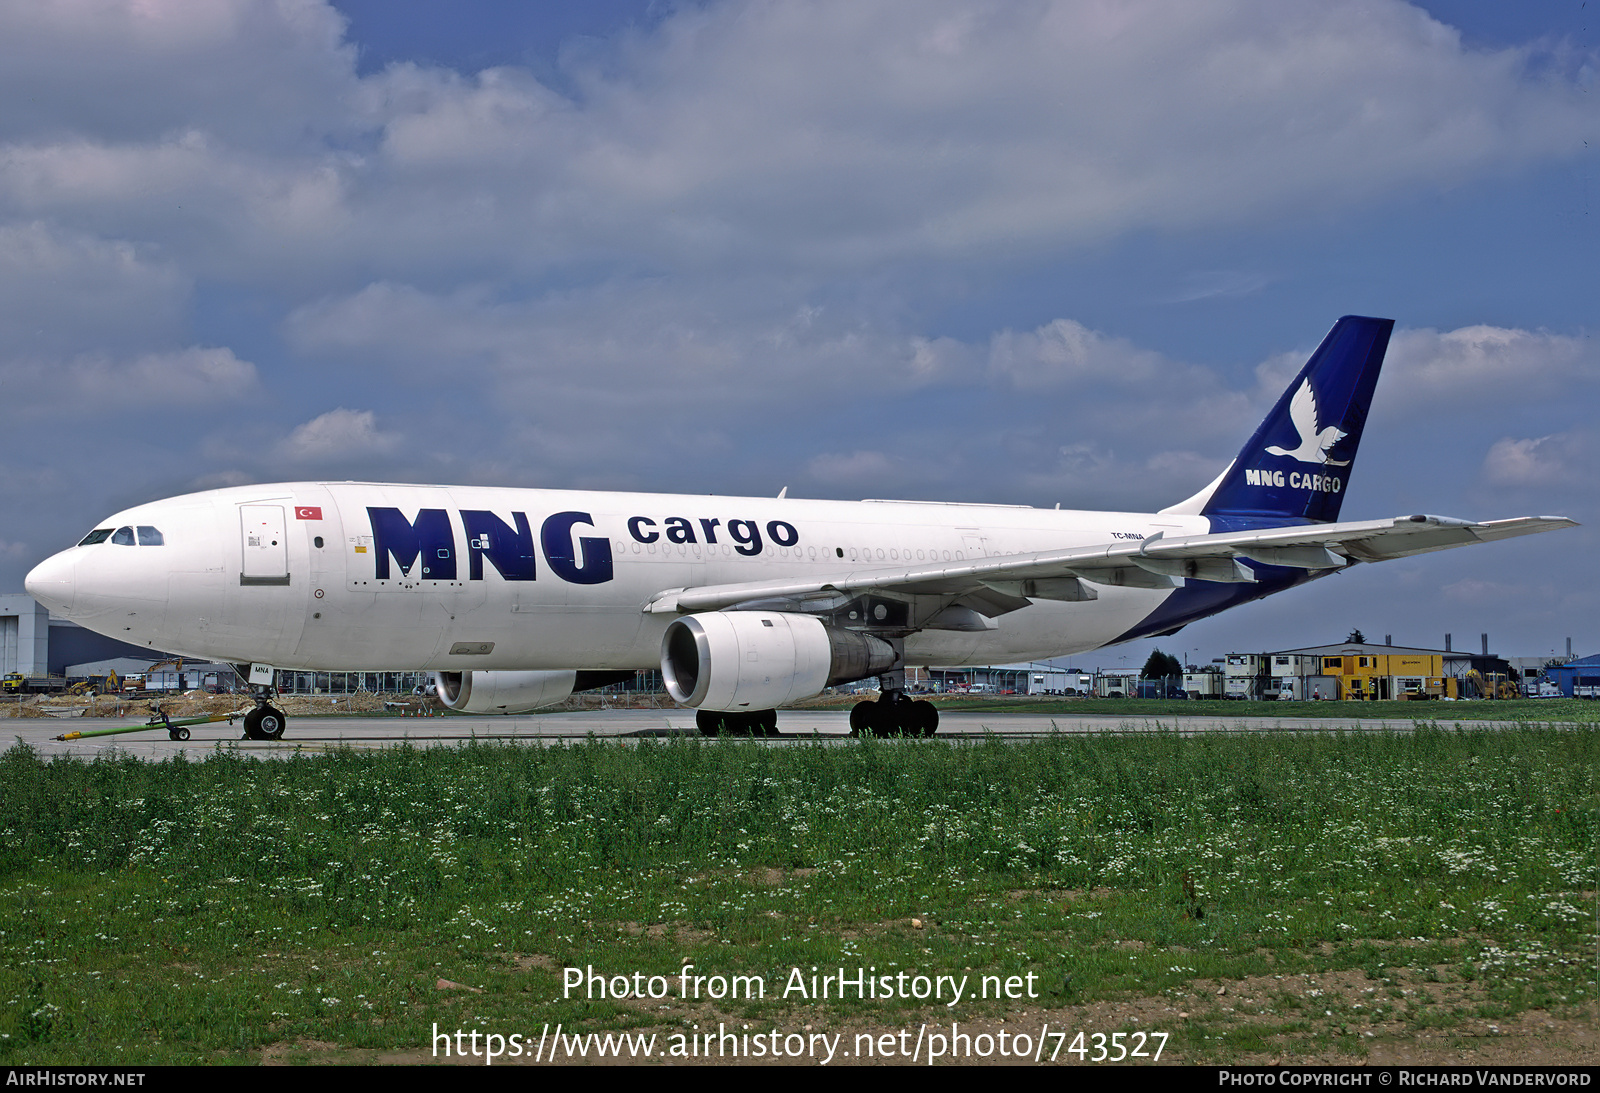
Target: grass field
(1298,897)
(1527,710)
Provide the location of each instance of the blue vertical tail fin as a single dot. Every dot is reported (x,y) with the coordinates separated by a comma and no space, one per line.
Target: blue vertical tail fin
(1296,466)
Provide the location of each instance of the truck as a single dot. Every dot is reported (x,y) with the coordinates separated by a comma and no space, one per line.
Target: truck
(15,683)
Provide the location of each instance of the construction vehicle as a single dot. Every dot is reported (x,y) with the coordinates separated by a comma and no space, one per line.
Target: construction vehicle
(15,683)
(1493,684)
(107,684)
(174,665)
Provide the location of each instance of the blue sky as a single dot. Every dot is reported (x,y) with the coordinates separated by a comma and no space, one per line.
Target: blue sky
(1026,253)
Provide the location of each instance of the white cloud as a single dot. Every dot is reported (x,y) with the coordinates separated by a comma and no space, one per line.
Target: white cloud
(643,344)
(1220,284)
(269,73)
(217,480)
(621,375)
(502,117)
(1547,461)
(1079,459)
(1187,464)
(941,128)
(852,469)
(828,135)
(1474,590)
(217,210)
(65,292)
(96,384)
(186,376)
(1115,388)
(338,433)
(1484,364)
(1450,385)
(1065,352)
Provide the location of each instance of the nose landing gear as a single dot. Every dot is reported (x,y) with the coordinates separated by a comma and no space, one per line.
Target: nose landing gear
(266,721)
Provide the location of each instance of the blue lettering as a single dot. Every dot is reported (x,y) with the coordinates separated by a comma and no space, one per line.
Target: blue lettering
(746,537)
(431,537)
(679,531)
(710,528)
(509,551)
(636,529)
(782,533)
(556,537)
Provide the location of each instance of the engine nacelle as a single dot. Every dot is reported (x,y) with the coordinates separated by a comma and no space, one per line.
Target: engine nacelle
(759,660)
(503,692)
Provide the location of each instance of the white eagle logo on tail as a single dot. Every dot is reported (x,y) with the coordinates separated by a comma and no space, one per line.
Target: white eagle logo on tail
(1314,443)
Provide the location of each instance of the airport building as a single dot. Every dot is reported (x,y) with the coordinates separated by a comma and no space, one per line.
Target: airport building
(1360,671)
(1204,683)
(24,636)
(1356,671)
(1578,678)
(1016,679)
(1352,671)
(34,644)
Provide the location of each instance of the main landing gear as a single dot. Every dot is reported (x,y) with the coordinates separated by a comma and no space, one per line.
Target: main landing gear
(754,723)
(894,715)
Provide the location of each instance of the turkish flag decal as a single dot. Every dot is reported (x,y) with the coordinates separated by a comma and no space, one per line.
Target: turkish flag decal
(307,512)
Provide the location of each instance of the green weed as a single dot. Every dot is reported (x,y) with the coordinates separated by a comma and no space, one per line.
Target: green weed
(204,910)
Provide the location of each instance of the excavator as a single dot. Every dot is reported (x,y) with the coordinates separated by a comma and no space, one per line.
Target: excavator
(1494,685)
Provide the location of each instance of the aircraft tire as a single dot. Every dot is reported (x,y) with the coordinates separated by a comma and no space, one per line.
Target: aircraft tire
(861,718)
(723,723)
(925,717)
(265,723)
(888,718)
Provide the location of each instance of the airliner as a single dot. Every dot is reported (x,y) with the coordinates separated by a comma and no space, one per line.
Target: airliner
(517,598)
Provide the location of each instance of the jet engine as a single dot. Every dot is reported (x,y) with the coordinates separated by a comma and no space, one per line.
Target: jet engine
(503,692)
(759,660)
(518,692)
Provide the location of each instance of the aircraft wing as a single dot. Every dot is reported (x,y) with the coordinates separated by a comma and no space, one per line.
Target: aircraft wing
(1156,562)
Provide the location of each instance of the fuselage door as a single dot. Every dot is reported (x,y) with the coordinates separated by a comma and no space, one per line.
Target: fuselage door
(266,545)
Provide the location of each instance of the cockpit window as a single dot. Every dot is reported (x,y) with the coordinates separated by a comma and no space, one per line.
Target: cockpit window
(148,536)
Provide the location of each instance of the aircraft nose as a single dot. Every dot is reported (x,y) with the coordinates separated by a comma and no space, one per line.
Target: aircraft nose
(53,582)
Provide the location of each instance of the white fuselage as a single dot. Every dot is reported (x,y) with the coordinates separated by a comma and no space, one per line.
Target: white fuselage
(239,574)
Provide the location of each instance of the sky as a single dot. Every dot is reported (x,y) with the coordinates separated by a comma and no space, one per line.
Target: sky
(1027,253)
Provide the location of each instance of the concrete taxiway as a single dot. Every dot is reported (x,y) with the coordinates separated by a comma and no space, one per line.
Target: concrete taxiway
(313,734)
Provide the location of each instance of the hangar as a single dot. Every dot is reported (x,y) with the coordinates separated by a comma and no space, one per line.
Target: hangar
(1577,678)
(34,644)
